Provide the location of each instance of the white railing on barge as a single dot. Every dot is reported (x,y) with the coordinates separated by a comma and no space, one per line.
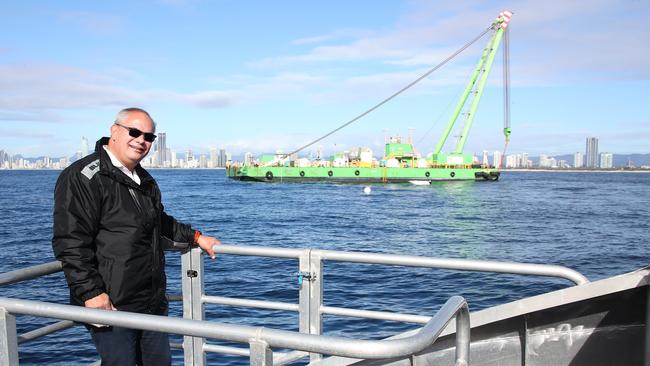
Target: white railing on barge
(308,341)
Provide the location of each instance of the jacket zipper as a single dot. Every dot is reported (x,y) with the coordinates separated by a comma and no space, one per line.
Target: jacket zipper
(135,199)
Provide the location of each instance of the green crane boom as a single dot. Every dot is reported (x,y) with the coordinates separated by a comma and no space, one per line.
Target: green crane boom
(480,74)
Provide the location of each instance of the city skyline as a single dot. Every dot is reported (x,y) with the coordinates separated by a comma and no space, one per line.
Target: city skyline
(274,76)
(160,156)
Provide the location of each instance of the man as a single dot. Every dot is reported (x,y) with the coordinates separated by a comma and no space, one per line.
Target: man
(108,224)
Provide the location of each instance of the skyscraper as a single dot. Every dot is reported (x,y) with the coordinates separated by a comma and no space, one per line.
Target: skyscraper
(84,147)
(592,152)
(213,158)
(578,160)
(248,158)
(161,149)
(524,161)
(544,161)
(172,157)
(222,158)
(606,160)
(497,159)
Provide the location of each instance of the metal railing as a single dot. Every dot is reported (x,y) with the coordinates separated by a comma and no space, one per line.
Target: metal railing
(260,339)
(308,341)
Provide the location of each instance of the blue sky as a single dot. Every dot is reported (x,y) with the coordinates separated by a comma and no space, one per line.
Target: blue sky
(263,76)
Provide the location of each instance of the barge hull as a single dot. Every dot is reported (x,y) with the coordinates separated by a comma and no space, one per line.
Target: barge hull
(359,175)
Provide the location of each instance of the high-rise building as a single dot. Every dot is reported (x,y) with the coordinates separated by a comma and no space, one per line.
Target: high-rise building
(214,159)
(592,152)
(485,158)
(222,158)
(497,159)
(543,161)
(174,161)
(84,147)
(524,161)
(248,158)
(606,160)
(162,149)
(578,160)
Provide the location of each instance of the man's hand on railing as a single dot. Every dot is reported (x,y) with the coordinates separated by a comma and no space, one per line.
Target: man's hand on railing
(206,243)
(101,301)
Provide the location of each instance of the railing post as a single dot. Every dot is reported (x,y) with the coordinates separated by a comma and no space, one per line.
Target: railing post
(303,292)
(463,340)
(8,339)
(261,354)
(192,275)
(316,298)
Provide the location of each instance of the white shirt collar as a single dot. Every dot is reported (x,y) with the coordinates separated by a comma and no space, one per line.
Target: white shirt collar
(118,164)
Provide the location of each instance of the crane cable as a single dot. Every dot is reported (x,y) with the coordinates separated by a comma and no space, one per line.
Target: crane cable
(463,48)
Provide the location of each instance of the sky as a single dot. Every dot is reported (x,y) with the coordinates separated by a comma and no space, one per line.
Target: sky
(267,76)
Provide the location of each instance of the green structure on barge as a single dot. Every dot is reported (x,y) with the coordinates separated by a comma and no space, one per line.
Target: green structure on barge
(400,164)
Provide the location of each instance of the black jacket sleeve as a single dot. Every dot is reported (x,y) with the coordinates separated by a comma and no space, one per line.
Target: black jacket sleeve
(76,218)
(175,230)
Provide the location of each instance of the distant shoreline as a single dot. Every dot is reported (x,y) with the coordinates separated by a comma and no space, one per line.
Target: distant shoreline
(147,168)
(578,170)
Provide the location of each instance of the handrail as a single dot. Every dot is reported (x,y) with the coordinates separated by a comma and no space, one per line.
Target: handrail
(457,264)
(48,329)
(338,346)
(414,261)
(576,277)
(29,273)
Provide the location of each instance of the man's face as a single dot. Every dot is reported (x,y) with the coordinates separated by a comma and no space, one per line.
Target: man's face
(131,150)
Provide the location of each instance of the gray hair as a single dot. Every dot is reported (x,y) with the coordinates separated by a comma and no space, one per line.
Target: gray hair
(121,115)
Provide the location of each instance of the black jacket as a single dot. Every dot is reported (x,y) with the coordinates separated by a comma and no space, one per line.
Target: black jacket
(107,234)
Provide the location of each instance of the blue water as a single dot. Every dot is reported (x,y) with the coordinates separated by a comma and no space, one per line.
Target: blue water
(596,223)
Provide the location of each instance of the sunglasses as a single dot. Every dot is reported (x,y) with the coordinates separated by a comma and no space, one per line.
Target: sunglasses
(135,133)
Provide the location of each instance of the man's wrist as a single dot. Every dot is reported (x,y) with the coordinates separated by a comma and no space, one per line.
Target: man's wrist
(91,294)
(197,235)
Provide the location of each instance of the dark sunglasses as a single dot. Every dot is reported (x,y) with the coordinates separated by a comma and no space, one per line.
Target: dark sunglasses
(135,133)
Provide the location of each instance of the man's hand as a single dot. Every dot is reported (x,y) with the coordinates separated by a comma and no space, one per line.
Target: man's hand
(206,243)
(101,301)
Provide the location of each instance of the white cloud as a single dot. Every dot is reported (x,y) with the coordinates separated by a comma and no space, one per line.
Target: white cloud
(552,41)
(44,92)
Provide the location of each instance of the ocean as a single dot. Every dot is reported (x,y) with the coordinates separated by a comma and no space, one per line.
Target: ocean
(594,222)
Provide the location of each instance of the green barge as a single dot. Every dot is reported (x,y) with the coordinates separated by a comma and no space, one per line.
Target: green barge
(401,164)
(360,175)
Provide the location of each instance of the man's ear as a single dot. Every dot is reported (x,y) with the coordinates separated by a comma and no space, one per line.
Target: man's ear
(114,128)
